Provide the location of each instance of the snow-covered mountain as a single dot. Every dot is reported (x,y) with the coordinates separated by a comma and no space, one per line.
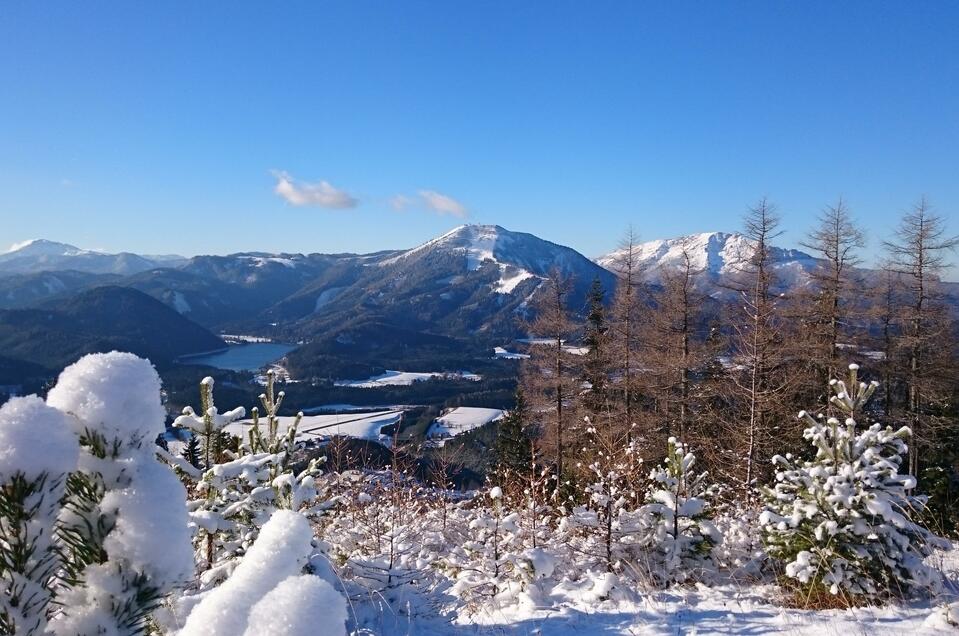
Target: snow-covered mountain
(717,256)
(518,255)
(41,255)
(473,279)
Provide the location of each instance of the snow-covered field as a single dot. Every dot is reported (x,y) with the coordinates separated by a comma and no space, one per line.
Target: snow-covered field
(571,349)
(405,378)
(339,408)
(460,420)
(569,609)
(312,427)
(702,610)
(500,352)
(240,338)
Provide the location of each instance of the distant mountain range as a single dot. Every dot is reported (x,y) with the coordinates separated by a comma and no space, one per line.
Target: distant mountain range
(40,255)
(716,257)
(468,286)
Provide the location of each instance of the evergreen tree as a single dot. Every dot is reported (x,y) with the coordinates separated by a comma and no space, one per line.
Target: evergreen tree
(678,532)
(596,361)
(123,525)
(513,448)
(844,522)
(191,452)
(39,451)
(237,497)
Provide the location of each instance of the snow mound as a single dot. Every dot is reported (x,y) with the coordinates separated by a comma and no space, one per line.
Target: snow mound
(115,394)
(35,439)
(297,607)
(280,552)
(152,528)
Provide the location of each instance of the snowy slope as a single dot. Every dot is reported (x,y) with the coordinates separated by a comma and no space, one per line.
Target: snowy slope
(461,420)
(405,378)
(519,256)
(312,427)
(717,255)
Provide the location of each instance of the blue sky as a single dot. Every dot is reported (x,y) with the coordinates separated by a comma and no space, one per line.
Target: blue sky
(167,128)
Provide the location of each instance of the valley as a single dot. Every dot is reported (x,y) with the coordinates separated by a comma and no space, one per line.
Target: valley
(443,325)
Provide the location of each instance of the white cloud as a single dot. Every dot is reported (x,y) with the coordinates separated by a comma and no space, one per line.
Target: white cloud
(321,194)
(442,204)
(400,202)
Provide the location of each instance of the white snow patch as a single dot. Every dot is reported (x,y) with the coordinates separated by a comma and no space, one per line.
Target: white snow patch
(261,261)
(500,352)
(461,420)
(507,284)
(54,285)
(478,242)
(313,427)
(406,378)
(180,303)
(326,296)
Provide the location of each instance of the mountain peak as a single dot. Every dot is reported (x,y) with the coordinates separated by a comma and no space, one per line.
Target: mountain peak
(43,247)
(478,242)
(715,254)
(43,255)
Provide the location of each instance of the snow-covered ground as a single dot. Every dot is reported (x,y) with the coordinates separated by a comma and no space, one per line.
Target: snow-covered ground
(312,427)
(460,420)
(702,610)
(240,338)
(568,348)
(406,378)
(572,609)
(500,352)
(281,373)
(339,408)
(510,278)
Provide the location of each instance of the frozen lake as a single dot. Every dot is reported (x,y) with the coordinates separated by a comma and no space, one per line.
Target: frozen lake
(242,357)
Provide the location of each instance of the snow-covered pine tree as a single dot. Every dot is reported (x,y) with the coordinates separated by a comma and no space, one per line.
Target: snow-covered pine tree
(124,529)
(601,531)
(843,522)
(209,425)
(379,538)
(494,567)
(38,450)
(678,534)
(235,498)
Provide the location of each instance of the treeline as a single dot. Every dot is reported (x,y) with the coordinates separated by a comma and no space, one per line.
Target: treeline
(728,378)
